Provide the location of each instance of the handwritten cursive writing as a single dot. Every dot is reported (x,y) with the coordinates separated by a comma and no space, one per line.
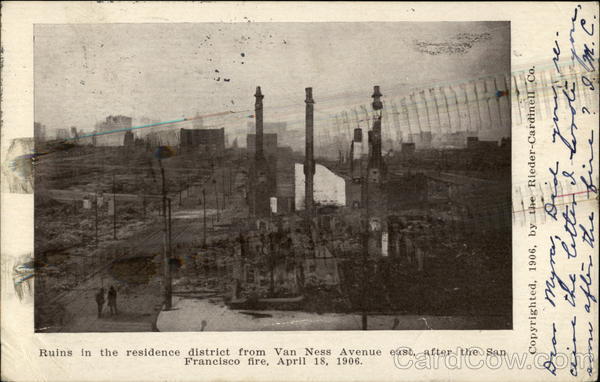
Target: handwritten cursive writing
(571,268)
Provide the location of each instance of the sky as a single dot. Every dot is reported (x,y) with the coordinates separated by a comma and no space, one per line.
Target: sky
(86,72)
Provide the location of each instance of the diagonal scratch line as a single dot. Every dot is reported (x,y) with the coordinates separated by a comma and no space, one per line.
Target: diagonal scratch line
(154,124)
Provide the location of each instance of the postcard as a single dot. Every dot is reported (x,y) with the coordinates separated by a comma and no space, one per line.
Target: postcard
(299,191)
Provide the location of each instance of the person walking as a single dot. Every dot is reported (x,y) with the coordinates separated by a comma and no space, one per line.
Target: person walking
(421,246)
(100,301)
(112,300)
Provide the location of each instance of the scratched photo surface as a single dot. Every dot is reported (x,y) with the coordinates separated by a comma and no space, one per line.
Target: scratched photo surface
(272,176)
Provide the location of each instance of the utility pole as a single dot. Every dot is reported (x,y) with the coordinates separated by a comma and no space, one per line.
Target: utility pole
(365,262)
(216,197)
(189,185)
(204,217)
(180,191)
(166,244)
(168,289)
(114,208)
(169,226)
(230,180)
(96,213)
(223,185)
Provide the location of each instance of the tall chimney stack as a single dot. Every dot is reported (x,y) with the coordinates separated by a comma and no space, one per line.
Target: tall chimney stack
(376,134)
(258,115)
(309,160)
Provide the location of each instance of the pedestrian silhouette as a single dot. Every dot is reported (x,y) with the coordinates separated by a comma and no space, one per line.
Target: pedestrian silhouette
(112,300)
(100,301)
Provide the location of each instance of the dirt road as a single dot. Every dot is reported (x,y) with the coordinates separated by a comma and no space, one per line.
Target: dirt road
(138,306)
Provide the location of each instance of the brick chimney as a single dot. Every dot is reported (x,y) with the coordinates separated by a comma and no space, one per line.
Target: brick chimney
(258,115)
(309,160)
(376,132)
(356,148)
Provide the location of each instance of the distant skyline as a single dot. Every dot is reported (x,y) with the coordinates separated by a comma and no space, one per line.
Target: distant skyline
(85,72)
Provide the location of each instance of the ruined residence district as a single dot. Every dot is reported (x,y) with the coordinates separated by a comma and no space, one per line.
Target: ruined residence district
(393,212)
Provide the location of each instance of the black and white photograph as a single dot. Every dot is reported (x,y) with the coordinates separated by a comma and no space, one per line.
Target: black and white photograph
(280,176)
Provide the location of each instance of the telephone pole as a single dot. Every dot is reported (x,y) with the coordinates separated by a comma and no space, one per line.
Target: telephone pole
(96,213)
(223,185)
(230,180)
(170,236)
(365,259)
(168,288)
(216,198)
(204,217)
(114,208)
(188,186)
(166,243)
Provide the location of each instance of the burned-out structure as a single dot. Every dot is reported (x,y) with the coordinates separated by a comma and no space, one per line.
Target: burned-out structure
(269,142)
(202,140)
(262,172)
(392,211)
(309,160)
(111,131)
